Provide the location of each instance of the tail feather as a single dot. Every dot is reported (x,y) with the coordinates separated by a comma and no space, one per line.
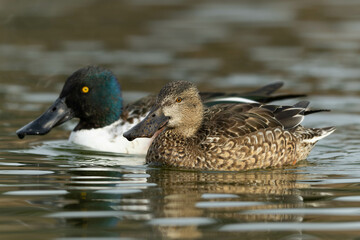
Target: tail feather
(262,95)
(319,133)
(289,116)
(292,116)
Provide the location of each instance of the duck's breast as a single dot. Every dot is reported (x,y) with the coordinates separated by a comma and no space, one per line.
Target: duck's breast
(110,139)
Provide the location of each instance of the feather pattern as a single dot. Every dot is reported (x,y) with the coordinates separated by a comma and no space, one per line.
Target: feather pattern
(235,137)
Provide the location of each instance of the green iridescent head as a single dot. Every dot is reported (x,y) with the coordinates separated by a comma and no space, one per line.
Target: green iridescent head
(94,94)
(91,94)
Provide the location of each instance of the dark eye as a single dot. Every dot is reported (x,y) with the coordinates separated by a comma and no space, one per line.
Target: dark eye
(85,89)
(179,99)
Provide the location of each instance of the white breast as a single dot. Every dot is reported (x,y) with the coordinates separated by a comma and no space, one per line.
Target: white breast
(110,139)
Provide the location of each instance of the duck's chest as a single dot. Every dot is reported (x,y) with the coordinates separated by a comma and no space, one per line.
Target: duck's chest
(171,150)
(111,139)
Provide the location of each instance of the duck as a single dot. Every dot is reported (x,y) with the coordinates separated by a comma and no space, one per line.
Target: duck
(94,96)
(224,137)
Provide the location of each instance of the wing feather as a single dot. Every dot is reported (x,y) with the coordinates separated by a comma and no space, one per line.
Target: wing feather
(236,120)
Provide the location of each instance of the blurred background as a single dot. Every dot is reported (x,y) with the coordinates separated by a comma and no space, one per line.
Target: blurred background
(228,45)
(313,46)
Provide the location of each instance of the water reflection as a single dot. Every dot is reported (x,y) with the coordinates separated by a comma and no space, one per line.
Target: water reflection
(83,198)
(223,196)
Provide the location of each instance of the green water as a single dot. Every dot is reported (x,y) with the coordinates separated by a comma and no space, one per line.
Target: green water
(51,189)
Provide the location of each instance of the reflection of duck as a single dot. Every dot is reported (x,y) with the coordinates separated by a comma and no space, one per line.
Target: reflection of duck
(94,96)
(226,136)
(102,197)
(262,184)
(224,196)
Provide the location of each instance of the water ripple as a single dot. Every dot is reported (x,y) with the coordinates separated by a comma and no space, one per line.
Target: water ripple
(118,191)
(226,204)
(309,211)
(186,221)
(89,214)
(25,172)
(218,195)
(348,199)
(291,226)
(36,192)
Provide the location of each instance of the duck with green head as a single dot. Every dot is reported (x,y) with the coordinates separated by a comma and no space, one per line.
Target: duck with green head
(93,95)
(227,137)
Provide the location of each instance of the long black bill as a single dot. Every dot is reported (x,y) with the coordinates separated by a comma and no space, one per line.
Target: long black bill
(154,121)
(57,114)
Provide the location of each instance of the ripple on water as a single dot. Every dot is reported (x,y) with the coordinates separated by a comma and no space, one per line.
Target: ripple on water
(11,164)
(348,199)
(36,192)
(25,172)
(139,185)
(118,191)
(25,185)
(185,221)
(226,204)
(136,175)
(349,211)
(290,226)
(331,181)
(89,214)
(218,195)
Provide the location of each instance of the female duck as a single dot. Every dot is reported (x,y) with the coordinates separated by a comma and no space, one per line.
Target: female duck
(227,137)
(93,95)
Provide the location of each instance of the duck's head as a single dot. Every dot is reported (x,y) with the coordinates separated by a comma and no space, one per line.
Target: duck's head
(91,94)
(178,107)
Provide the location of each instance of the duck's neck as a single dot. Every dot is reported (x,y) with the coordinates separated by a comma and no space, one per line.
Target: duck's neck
(102,116)
(102,121)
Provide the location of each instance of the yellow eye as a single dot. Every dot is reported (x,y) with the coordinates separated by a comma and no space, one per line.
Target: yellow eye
(85,89)
(179,99)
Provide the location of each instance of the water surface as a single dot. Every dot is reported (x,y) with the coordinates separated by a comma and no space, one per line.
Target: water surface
(51,189)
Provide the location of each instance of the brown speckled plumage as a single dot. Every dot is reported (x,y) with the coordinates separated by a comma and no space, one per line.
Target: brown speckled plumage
(230,137)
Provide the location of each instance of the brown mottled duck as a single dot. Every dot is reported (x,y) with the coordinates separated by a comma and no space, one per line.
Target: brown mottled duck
(227,137)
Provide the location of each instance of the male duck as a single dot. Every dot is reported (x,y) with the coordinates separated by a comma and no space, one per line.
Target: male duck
(228,137)
(93,95)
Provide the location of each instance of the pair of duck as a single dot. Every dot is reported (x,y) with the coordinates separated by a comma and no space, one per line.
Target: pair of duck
(182,127)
